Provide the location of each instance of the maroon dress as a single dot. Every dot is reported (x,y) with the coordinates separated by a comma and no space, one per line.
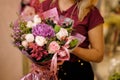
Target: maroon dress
(75,68)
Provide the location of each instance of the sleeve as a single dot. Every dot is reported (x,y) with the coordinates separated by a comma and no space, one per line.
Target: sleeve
(95,18)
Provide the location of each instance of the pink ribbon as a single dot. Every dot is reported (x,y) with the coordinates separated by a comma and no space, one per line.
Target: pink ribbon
(53,67)
(46,73)
(43,72)
(39,73)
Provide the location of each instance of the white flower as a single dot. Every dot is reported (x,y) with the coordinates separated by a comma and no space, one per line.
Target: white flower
(29,24)
(40,41)
(55,22)
(25,43)
(34,24)
(29,37)
(62,34)
(36,19)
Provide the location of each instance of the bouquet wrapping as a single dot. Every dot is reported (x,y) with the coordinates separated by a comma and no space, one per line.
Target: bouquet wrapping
(45,39)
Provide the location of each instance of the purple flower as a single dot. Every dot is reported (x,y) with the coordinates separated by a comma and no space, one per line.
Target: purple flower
(43,30)
(17,32)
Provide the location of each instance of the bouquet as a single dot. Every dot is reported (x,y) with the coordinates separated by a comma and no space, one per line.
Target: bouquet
(46,40)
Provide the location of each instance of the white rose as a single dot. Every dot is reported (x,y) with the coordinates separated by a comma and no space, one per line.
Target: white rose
(40,41)
(62,33)
(29,37)
(29,24)
(25,43)
(36,19)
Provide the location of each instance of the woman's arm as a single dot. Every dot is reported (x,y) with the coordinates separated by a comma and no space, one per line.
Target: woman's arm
(96,51)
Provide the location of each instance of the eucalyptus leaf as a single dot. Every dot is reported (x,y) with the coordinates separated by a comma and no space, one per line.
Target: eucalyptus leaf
(73,43)
(57,28)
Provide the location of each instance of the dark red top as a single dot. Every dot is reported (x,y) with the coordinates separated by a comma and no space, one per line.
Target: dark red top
(92,19)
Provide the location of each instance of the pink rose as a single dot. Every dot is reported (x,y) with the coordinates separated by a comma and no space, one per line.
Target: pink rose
(53,47)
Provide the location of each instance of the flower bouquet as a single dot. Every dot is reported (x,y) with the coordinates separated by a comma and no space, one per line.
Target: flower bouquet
(45,40)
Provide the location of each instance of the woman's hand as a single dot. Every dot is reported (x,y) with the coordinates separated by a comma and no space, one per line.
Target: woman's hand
(96,51)
(60,63)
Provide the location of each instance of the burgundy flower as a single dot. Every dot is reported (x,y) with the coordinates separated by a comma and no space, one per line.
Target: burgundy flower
(37,52)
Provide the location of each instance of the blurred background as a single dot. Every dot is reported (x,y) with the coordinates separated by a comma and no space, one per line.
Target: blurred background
(12,65)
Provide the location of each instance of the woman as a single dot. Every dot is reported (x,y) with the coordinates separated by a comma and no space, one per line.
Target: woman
(88,22)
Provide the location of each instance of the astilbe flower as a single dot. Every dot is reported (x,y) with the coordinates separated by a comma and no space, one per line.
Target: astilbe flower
(37,52)
(17,32)
(43,30)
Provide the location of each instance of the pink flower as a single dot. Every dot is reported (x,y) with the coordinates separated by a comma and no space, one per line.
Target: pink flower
(53,47)
(62,53)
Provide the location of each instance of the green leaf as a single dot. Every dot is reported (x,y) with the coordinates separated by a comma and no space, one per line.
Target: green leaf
(57,28)
(115,76)
(73,43)
(69,29)
(23,28)
(62,42)
(11,25)
(46,58)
